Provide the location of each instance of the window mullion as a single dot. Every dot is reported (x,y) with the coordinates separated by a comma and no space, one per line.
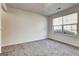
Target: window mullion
(62,25)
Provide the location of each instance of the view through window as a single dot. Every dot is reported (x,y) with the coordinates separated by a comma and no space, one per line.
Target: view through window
(66,24)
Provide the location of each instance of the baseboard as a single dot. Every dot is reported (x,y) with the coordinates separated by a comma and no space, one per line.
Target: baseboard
(23,42)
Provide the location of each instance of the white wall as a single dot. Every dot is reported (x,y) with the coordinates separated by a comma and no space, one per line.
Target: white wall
(20,26)
(60,37)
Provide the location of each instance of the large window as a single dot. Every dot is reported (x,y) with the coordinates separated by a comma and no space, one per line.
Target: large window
(66,24)
(57,22)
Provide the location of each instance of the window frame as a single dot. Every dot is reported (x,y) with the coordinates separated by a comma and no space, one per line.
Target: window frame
(66,25)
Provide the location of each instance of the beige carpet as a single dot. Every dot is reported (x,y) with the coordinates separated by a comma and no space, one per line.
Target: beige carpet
(44,47)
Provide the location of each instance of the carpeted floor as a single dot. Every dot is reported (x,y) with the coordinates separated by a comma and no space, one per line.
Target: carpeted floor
(44,47)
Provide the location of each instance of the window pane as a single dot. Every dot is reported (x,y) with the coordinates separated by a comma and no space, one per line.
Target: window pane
(74,29)
(57,28)
(57,21)
(74,32)
(67,29)
(74,17)
(70,19)
(66,20)
(70,29)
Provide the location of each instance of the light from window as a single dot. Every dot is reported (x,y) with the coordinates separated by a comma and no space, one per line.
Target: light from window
(58,29)
(66,24)
(57,21)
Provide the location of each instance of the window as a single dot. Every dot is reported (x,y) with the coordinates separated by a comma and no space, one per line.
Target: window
(66,24)
(57,22)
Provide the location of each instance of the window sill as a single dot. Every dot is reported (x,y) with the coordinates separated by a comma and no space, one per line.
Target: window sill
(72,40)
(71,36)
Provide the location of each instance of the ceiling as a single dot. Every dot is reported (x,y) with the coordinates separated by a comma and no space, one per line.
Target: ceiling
(46,9)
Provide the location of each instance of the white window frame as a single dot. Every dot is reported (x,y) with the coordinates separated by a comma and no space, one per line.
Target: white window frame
(66,24)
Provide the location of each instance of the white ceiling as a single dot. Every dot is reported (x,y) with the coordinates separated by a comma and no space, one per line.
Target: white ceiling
(42,8)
